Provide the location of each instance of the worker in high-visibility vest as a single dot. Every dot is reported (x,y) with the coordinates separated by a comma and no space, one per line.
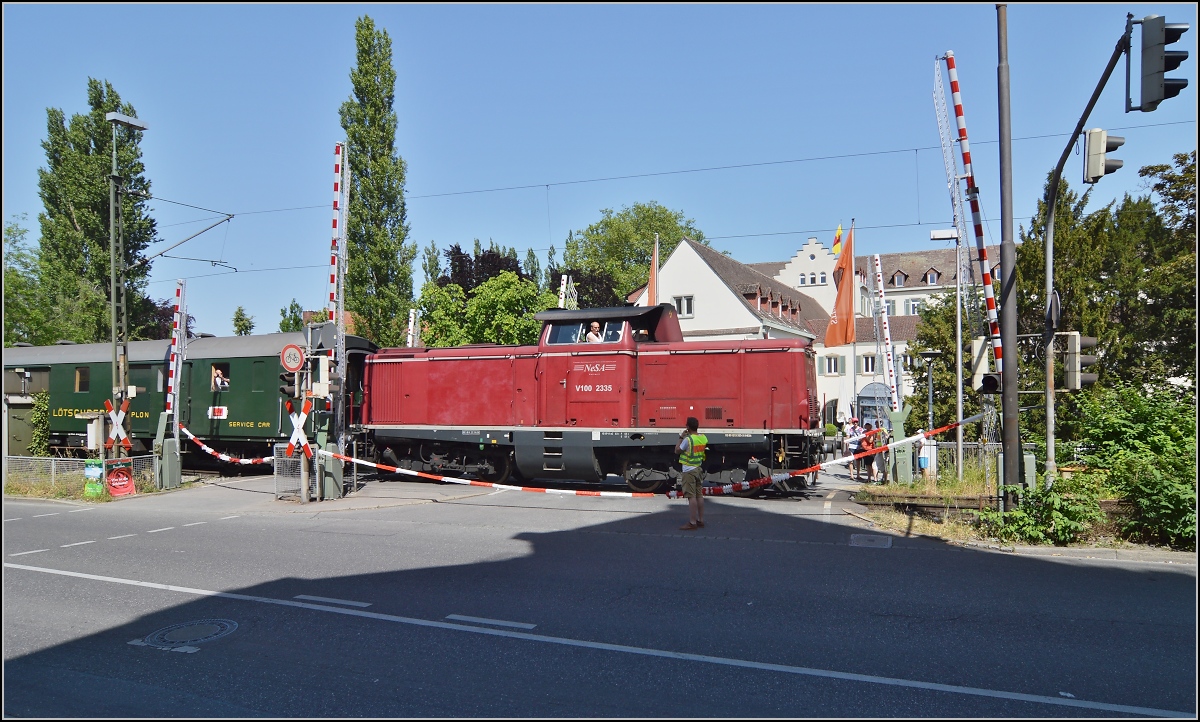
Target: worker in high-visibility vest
(691,460)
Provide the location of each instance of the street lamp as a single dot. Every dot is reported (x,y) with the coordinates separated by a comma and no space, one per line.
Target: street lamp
(929,357)
(952,235)
(118,375)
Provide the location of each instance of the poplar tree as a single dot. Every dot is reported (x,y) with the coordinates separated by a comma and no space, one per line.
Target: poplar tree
(379,278)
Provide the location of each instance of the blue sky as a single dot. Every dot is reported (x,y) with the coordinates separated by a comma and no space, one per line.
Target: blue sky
(242,105)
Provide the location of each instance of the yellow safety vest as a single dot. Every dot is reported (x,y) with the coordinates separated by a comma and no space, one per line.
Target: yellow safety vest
(695,455)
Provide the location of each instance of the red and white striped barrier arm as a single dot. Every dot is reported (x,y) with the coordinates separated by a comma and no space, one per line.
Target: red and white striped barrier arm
(471,482)
(223,457)
(333,248)
(174,350)
(976,217)
(767,481)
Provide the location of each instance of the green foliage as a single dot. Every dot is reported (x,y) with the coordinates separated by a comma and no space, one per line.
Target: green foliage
(243,325)
(379,277)
(431,262)
(291,318)
(532,268)
(501,310)
(620,245)
(21,306)
(39,421)
(1145,442)
(442,311)
(831,429)
(1059,515)
(73,255)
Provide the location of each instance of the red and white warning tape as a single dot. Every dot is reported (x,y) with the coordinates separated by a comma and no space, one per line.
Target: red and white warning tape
(219,455)
(470,482)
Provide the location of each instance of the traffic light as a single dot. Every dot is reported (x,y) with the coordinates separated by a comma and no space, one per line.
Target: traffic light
(1157,34)
(289,387)
(1097,143)
(1076,361)
(981,380)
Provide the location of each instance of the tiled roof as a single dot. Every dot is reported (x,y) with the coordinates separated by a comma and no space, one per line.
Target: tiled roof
(743,279)
(902,328)
(770,268)
(914,264)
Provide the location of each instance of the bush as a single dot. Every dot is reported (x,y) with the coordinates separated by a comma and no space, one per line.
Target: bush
(831,429)
(39,422)
(1145,443)
(1059,515)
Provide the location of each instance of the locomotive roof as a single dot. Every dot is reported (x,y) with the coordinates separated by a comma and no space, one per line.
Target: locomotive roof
(269,344)
(602,314)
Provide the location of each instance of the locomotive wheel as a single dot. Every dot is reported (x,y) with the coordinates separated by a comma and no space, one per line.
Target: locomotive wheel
(501,470)
(644,480)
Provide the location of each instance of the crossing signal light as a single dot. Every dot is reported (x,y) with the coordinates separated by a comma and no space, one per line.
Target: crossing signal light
(289,384)
(1097,144)
(1157,61)
(981,380)
(1077,361)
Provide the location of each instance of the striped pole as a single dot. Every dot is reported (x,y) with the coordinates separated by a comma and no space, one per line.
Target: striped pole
(178,339)
(333,248)
(973,198)
(887,335)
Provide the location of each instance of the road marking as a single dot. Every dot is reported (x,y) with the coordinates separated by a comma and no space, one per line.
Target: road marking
(195,523)
(64,546)
(825,511)
(122,536)
(17,519)
(643,651)
(53,513)
(227,517)
(76,511)
(165,528)
(485,620)
(35,551)
(331,600)
(830,495)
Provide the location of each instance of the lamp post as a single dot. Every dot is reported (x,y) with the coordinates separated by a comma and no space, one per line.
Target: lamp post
(952,234)
(118,360)
(929,357)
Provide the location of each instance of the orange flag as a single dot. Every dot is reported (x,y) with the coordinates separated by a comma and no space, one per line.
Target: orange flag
(841,322)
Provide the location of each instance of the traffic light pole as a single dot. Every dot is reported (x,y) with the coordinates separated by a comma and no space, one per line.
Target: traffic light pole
(1051,206)
(1010,375)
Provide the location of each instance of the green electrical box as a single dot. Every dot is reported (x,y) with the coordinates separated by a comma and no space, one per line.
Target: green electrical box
(1029,477)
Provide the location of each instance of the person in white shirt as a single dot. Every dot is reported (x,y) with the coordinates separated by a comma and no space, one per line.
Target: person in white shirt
(593,334)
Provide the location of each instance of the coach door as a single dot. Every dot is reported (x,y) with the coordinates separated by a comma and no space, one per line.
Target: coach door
(144,406)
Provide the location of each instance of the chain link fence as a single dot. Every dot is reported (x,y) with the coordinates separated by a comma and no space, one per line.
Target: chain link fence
(287,474)
(52,476)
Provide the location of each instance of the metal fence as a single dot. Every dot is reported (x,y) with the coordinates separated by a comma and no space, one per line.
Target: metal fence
(287,474)
(67,475)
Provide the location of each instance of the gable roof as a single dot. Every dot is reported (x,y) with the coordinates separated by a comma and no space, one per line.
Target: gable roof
(901,329)
(742,279)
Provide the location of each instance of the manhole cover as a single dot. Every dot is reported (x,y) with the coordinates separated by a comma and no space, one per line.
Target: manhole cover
(189,633)
(876,541)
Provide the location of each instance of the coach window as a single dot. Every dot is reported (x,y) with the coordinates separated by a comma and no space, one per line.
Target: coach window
(220,377)
(82,379)
(566,333)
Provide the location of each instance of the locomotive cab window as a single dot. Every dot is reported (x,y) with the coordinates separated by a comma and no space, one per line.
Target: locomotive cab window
(220,377)
(567,333)
(612,331)
(83,379)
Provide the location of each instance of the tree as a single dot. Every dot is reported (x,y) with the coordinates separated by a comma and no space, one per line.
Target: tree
(443,308)
(501,310)
(21,307)
(431,263)
(243,325)
(469,271)
(73,257)
(379,278)
(532,269)
(291,318)
(163,323)
(621,244)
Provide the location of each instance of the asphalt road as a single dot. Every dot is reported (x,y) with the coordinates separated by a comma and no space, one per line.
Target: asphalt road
(425,600)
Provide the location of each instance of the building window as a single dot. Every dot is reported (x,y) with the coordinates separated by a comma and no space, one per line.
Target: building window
(868,363)
(898,280)
(803,280)
(891,308)
(831,366)
(823,281)
(683,304)
(83,379)
(812,279)
(931,278)
(913,308)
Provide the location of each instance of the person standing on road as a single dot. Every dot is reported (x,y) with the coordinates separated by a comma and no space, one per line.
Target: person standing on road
(854,436)
(869,444)
(691,459)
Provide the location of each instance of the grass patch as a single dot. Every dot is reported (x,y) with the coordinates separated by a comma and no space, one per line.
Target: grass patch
(66,486)
(945,486)
(913,524)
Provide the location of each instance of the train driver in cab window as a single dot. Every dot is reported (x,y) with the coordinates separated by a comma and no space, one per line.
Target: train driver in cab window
(593,334)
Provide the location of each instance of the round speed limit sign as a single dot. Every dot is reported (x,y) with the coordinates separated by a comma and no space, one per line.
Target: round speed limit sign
(292,358)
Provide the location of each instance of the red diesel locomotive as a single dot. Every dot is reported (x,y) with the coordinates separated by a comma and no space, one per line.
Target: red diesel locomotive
(570,409)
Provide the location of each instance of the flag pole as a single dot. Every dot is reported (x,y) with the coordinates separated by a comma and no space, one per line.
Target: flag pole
(854,411)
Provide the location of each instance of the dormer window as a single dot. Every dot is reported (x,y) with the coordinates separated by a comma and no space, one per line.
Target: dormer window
(898,279)
(931,277)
